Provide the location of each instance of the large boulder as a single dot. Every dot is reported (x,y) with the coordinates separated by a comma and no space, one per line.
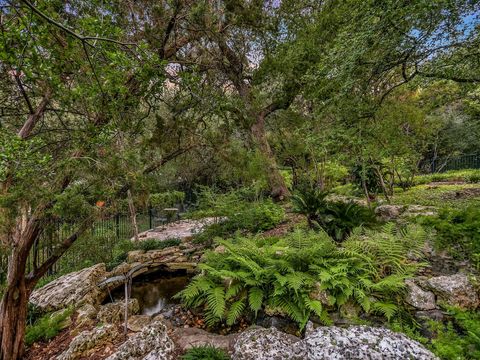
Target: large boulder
(186,338)
(455,290)
(268,344)
(152,343)
(88,342)
(389,212)
(419,298)
(75,288)
(362,342)
(115,312)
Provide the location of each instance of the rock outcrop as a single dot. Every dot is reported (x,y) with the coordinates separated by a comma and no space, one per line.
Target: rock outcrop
(87,342)
(268,344)
(419,298)
(72,289)
(362,342)
(394,212)
(455,290)
(152,343)
(186,338)
(115,312)
(325,343)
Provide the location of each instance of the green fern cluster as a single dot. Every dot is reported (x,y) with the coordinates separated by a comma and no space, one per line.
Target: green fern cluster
(306,274)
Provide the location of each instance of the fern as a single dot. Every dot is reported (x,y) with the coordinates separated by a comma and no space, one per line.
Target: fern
(367,270)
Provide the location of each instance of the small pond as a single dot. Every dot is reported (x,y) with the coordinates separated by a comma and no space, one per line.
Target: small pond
(154,291)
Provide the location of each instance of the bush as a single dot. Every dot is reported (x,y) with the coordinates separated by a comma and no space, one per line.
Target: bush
(166,199)
(338,219)
(205,353)
(455,339)
(306,274)
(458,232)
(155,244)
(47,327)
(240,213)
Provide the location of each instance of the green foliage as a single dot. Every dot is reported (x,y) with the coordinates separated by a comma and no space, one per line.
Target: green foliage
(166,199)
(46,327)
(306,274)
(457,338)
(206,352)
(154,244)
(240,212)
(338,218)
(468,175)
(459,232)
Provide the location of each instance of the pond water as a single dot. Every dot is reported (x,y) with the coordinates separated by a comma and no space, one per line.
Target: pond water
(154,292)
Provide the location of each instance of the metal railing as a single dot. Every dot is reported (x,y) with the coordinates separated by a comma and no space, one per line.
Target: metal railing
(453,163)
(96,245)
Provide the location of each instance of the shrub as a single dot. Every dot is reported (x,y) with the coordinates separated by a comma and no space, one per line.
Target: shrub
(47,327)
(338,219)
(455,339)
(241,215)
(166,199)
(306,274)
(458,232)
(155,244)
(205,353)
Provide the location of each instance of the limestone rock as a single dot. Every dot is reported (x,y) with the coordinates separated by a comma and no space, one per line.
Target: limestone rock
(268,344)
(152,343)
(419,210)
(191,337)
(419,298)
(115,312)
(86,343)
(86,314)
(71,289)
(362,342)
(137,323)
(389,212)
(455,290)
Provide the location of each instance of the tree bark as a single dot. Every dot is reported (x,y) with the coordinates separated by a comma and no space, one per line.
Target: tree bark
(13,308)
(278,188)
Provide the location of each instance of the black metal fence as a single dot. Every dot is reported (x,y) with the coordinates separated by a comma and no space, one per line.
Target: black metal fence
(453,163)
(96,245)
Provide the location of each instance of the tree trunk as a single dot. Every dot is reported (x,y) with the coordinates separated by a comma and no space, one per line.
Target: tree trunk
(13,309)
(278,188)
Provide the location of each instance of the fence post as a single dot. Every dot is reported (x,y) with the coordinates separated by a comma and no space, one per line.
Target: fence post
(150,220)
(117,226)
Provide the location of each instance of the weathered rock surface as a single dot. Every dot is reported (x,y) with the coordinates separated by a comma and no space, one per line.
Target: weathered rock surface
(86,314)
(152,343)
(362,342)
(87,342)
(268,344)
(392,212)
(455,290)
(115,312)
(137,323)
(182,229)
(419,298)
(72,289)
(389,212)
(190,337)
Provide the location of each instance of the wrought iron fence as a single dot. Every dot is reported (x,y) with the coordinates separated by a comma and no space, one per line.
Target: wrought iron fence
(453,163)
(96,245)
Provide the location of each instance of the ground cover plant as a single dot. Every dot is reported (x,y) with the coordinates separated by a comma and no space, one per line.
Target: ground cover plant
(458,231)
(205,353)
(306,274)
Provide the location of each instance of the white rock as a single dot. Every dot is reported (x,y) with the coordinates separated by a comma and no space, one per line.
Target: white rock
(268,344)
(152,343)
(419,298)
(455,290)
(72,289)
(362,342)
